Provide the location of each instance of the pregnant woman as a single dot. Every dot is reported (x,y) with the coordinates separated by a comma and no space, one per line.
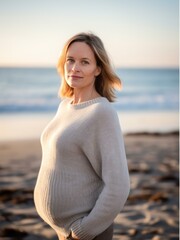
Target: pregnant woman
(83,182)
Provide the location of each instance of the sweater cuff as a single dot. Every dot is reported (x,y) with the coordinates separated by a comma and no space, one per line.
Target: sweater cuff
(77,229)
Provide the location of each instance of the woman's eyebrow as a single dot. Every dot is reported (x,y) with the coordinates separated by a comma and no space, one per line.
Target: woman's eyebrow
(83,58)
(68,56)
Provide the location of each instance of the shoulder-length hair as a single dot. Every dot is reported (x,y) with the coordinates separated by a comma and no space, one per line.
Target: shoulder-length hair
(106,82)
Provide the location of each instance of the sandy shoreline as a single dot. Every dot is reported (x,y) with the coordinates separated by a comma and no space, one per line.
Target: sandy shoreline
(30,126)
(151,211)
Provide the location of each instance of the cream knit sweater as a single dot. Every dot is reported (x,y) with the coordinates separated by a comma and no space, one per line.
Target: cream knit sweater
(83,182)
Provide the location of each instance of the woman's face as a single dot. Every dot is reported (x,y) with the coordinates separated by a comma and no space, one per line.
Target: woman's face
(80,66)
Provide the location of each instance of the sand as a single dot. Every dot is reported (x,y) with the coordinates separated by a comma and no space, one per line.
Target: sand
(151,211)
(30,126)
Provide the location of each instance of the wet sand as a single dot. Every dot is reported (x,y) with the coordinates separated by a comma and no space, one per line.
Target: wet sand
(151,211)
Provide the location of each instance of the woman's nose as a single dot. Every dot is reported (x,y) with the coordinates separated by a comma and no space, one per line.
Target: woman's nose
(75,67)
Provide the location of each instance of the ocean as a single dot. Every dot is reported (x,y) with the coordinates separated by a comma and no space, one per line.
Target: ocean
(35,90)
(149,100)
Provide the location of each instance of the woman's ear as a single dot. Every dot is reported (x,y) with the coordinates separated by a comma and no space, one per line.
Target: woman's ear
(98,71)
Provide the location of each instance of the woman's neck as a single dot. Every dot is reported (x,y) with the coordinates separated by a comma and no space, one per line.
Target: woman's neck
(83,96)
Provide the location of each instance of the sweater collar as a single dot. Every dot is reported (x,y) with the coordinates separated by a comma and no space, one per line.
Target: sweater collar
(86,103)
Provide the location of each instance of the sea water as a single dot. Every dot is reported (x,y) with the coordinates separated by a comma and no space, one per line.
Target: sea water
(148,97)
(35,90)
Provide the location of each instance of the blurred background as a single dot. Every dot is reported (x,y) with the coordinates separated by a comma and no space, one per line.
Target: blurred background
(140,36)
(142,40)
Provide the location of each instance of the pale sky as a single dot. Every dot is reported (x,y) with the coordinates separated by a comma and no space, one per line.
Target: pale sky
(136,33)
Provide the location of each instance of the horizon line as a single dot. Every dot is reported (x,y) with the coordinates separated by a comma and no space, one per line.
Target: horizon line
(123,67)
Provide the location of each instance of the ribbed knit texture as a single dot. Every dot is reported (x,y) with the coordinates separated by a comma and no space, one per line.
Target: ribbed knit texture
(83,182)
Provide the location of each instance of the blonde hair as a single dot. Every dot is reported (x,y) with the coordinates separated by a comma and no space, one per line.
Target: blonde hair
(106,82)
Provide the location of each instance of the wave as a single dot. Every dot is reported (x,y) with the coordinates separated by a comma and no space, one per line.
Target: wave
(35,90)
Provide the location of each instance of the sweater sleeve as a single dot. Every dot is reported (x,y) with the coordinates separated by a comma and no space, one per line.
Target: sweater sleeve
(106,153)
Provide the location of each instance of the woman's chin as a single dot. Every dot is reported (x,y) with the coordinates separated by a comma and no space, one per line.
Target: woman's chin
(75,85)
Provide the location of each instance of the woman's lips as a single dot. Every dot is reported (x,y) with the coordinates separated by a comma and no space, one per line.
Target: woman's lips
(75,77)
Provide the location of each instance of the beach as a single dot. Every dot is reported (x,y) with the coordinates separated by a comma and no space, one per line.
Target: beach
(148,110)
(151,211)
(30,126)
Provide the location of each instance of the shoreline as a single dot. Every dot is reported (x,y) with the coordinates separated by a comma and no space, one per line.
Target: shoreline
(30,126)
(126,135)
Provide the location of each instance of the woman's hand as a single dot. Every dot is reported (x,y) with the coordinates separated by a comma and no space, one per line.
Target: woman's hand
(74,236)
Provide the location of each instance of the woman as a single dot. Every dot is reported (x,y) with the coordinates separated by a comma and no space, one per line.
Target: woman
(83,181)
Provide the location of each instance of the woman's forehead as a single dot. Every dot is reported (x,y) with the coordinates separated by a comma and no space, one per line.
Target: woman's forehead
(80,49)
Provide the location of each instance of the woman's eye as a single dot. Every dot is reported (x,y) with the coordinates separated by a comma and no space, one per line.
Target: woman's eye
(69,60)
(85,62)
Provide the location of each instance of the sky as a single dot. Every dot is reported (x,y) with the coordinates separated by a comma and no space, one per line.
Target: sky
(136,33)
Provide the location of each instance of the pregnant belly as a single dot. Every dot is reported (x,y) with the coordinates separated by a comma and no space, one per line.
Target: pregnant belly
(60,196)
